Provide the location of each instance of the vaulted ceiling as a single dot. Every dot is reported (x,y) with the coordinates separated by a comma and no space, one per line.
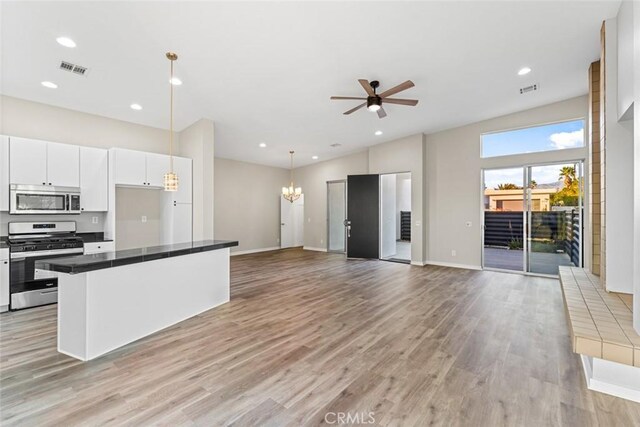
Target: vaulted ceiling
(264,71)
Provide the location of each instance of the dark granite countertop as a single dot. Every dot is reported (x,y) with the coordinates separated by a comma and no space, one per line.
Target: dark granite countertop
(84,263)
(93,237)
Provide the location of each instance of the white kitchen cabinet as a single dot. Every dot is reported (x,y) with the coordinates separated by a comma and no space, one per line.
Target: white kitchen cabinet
(4,279)
(63,165)
(34,162)
(4,173)
(181,223)
(182,167)
(130,167)
(157,166)
(27,161)
(99,247)
(94,179)
(138,168)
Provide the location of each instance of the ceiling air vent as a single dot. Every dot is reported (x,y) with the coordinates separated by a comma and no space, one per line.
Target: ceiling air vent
(73,68)
(527,89)
(336,145)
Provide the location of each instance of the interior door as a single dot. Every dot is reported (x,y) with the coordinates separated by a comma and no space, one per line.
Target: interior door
(363,216)
(336,216)
(291,222)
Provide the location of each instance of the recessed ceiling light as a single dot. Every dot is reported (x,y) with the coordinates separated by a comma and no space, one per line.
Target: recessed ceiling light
(524,70)
(50,85)
(136,107)
(175,81)
(378,132)
(66,42)
(262,145)
(314,157)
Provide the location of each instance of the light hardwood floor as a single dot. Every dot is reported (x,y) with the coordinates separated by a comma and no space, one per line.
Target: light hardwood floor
(309,333)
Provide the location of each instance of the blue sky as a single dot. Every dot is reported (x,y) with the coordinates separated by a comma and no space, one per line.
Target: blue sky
(556,136)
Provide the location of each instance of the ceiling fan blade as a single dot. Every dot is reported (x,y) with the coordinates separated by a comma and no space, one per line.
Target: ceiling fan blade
(411,102)
(347,97)
(355,109)
(367,87)
(402,86)
(382,113)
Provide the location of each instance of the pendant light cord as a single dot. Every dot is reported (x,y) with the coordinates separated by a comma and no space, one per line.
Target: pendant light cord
(171,121)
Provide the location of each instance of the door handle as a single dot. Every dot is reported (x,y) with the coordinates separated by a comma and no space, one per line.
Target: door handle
(348,231)
(282,223)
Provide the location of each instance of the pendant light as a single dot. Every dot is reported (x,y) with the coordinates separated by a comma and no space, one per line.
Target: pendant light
(171,178)
(291,194)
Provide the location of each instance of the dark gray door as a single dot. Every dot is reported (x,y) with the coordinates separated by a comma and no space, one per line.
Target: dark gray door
(363,221)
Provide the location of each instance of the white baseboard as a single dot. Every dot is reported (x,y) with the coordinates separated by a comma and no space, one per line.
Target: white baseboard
(418,263)
(612,378)
(310,248)
(453,265)
(253,251)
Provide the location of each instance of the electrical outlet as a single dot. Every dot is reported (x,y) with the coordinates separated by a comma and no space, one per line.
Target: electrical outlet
(144,218)
(94,220)
(453,252)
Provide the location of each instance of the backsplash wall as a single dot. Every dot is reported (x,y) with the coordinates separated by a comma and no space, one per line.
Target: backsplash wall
(83,221)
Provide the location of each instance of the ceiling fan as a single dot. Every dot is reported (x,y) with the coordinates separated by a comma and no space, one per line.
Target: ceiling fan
(374,101)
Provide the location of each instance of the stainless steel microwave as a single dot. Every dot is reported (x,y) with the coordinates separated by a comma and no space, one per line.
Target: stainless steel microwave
(43,199)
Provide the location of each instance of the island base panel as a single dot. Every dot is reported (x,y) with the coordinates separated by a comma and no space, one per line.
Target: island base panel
(100,311)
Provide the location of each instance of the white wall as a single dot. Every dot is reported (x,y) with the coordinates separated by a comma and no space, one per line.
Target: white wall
(313,180)
(19,117)
(197,143)
(403,197)
(625,57)
(388,212)
(619,175)
(247,206)
(453,175)
(636,171)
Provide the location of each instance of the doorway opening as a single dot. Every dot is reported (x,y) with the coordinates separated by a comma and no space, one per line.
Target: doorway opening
(533,218)
(291,223)
(395,217)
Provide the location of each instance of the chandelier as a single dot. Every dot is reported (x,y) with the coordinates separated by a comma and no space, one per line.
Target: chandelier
(291,194)
(171,178)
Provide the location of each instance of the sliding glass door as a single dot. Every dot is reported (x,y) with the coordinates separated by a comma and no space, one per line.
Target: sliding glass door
(533,218)
(554,217)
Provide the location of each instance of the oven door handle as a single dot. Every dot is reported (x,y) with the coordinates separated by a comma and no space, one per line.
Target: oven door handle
(21,255)
(67,198)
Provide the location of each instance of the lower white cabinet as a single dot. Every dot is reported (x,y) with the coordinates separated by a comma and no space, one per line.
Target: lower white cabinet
(4,279)
(99,247)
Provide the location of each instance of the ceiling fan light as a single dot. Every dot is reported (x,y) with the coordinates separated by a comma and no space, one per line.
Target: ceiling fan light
(373,107)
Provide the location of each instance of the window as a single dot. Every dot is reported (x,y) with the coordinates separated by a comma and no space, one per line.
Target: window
(557,136)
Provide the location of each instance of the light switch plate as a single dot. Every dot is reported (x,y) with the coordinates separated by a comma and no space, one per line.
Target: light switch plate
(144,218)
(94,220)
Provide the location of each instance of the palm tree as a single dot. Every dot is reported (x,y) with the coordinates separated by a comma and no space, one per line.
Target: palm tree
(568,174)
(508,186)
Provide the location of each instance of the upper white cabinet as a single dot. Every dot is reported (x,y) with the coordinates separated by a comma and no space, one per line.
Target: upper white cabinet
(63,165)
(138,168)
(27,161)
(183,167)
(4,173)
(94,173)
(157,166)
(36,162)
(129,167)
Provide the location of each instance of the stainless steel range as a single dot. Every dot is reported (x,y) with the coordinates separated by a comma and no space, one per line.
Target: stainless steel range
(32,241)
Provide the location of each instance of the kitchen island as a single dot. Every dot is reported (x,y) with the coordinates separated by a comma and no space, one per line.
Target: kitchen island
(111,299)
